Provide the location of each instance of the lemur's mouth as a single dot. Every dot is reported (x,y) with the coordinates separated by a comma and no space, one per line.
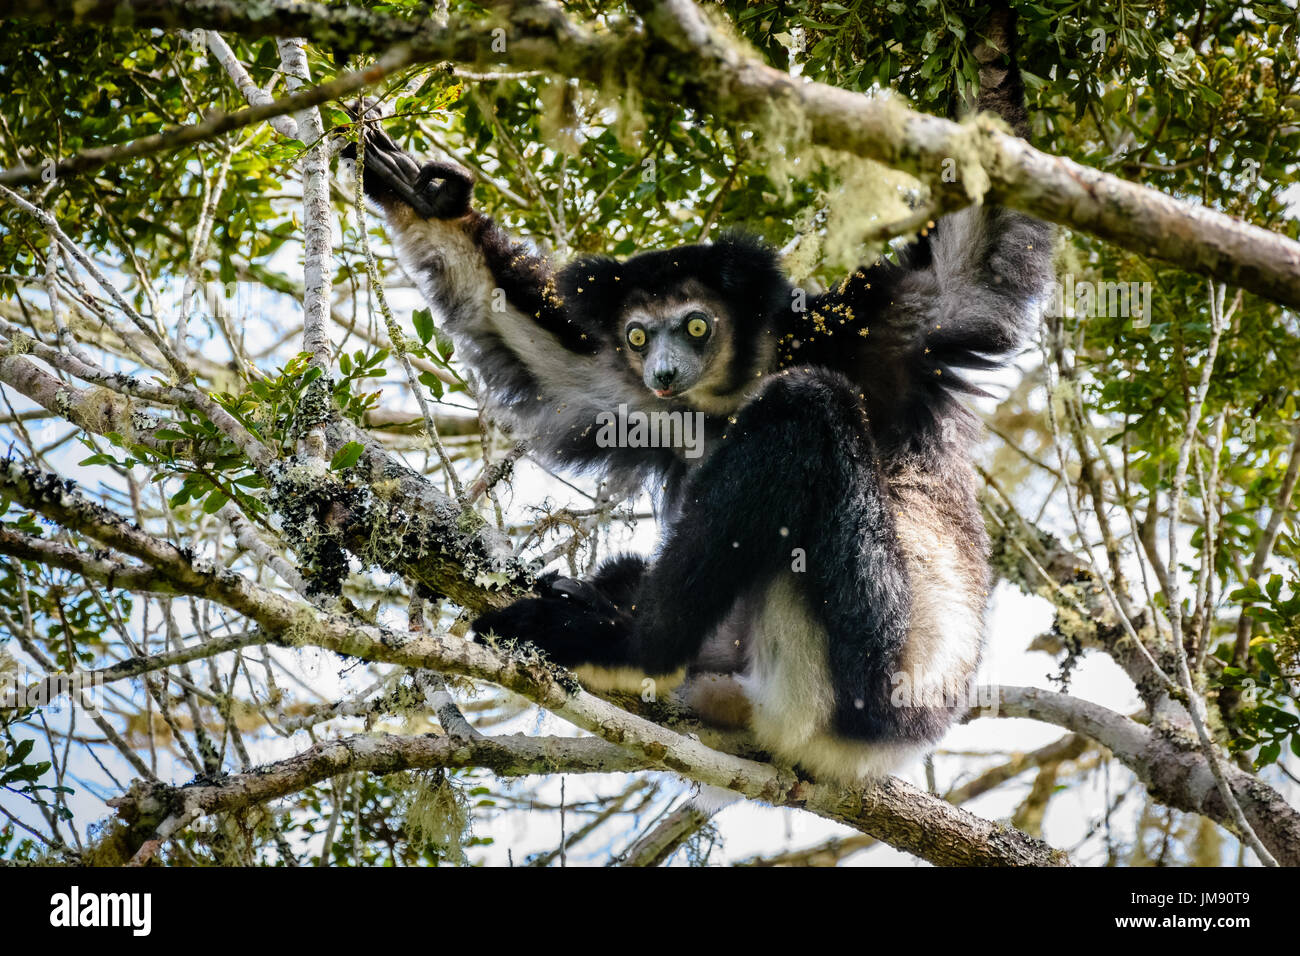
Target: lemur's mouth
(665,392)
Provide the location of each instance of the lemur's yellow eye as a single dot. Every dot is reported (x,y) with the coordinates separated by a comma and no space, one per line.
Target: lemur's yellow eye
(636,337)
(698,327)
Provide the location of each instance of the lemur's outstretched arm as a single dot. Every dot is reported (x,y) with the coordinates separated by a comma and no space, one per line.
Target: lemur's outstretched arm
(499,299)
(958,298)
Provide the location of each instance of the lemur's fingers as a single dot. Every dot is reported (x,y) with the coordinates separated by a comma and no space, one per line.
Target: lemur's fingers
(451,197)
(390,175)
(433,190)
(448,172)
(397,168)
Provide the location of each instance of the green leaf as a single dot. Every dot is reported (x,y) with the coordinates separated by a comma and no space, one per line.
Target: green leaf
(423,320)
(434,383)
(347,456)
(20,752)
(445,345)
(1268,754)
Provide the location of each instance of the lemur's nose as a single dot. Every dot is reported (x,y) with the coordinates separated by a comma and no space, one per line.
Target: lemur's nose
(664,376)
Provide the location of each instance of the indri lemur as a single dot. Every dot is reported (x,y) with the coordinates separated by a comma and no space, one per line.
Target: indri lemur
(835,429)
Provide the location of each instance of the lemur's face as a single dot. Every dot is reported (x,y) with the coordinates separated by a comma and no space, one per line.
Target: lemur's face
(679,344)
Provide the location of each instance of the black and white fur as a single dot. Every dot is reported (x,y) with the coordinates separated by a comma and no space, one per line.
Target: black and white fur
(836,430)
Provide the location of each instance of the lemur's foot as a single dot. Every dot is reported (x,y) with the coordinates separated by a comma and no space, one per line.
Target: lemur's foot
(570,620)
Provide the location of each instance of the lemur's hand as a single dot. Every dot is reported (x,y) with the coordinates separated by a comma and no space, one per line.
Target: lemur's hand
(432,191)
(569,620)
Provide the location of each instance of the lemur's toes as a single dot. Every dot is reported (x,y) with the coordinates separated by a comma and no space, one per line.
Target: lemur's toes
(568,632)
(581,593)
(518,621)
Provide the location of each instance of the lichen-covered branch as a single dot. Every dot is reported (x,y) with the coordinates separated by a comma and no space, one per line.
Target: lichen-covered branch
(1169,764)
(211,126)
(146,804)
(684,58)
(314,409)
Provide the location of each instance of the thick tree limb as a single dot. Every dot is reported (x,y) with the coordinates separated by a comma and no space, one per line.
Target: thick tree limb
(1165,759)
(213,125)
(833,851)
(1169,764)
(509,756)
(684,59)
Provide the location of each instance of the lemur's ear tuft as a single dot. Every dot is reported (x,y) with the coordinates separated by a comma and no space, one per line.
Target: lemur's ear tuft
(747,272)
(593,289)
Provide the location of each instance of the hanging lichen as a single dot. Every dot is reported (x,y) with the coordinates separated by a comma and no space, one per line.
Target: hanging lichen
(109,842)
(437,813)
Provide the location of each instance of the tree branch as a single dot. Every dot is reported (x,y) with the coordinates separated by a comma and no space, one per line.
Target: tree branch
(1169,764)
(213,125)
(684,59)
(145,805)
